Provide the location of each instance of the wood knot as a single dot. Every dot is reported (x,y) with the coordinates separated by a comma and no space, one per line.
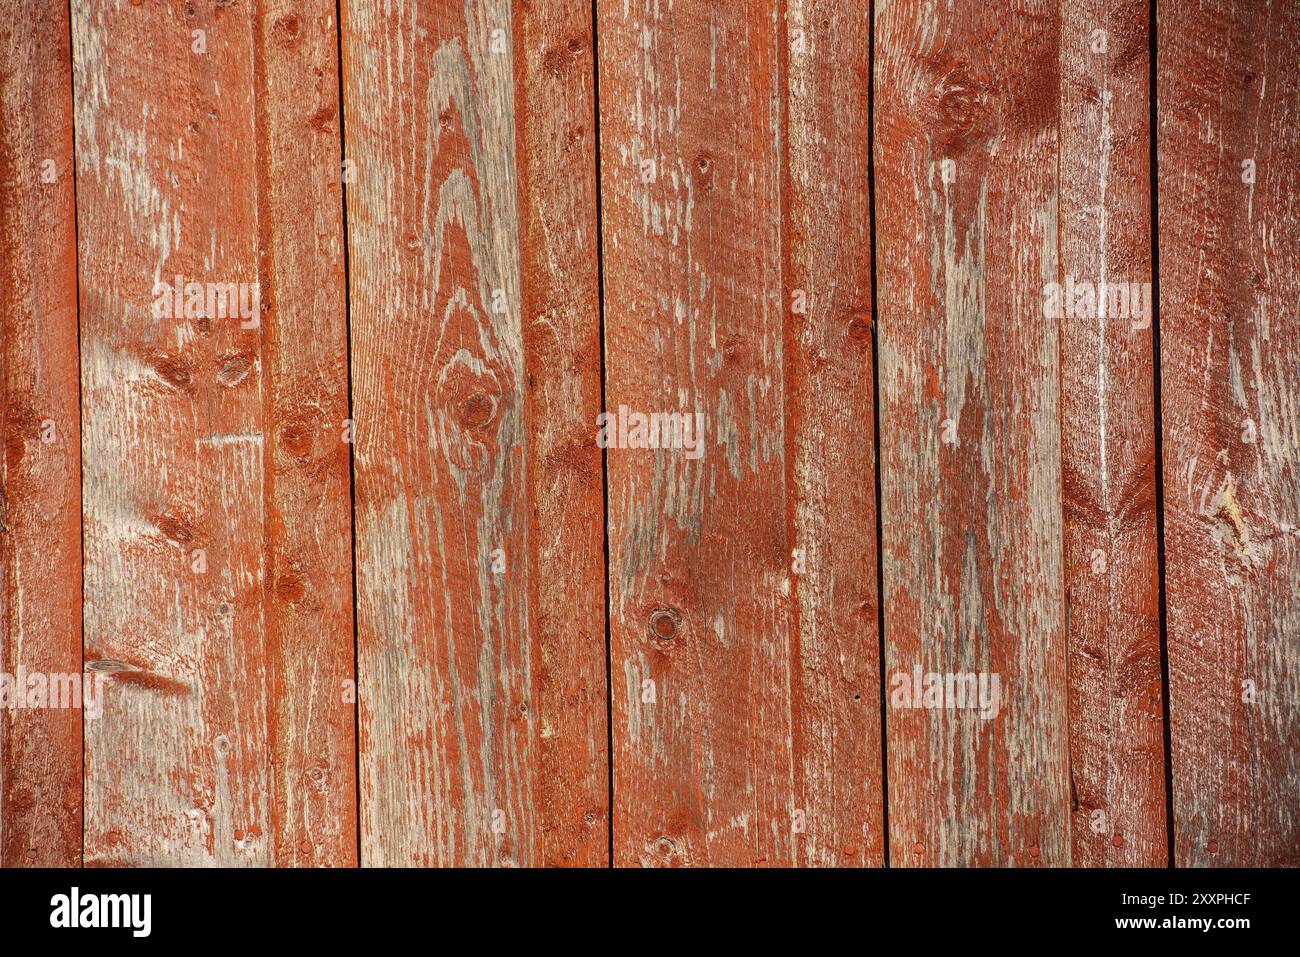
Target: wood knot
(296,439)
(573,137)
(107,666)
(859,327)
(663,627)
(665,847)
(322,121)
(469,402)
(285,30)
(291,585)
(177,524)
(960,107)
(560,59)
(175,371)
(477,410)
(703,174)
(234,369)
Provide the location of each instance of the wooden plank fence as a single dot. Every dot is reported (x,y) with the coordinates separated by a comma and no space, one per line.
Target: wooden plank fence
(537,433)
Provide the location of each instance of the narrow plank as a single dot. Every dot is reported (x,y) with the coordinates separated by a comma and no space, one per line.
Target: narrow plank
(1108,419)
(1229,228)
(830,418)
(455,690)
(555,67)
(40,498)
(971,512)
(219,744)
(310,638)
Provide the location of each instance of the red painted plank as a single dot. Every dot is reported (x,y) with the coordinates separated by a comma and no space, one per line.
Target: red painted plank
(555,68)
(225,738)
(1108,420)
(473,684)
(40,499)
(830,418)
(310,639)
(966,199)
(1229,104)
(744,653)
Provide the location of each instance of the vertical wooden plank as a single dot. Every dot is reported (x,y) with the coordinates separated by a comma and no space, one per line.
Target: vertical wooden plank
(172,442)
(743,645)
(1108,438)
(40,498)
(830,418)
(966,198)
(554,47)
(205,754)
(457,686)
(700,594)
(310,638)
(1229,114)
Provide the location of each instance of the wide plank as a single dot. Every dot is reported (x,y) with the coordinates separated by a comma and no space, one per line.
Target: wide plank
(1229,231)
(215,606)
(966,128)
(744,653)
(481,700)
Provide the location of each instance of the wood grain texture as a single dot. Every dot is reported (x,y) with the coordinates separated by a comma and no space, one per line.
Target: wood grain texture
(458,689)
(969,427)
(830,432)
(310,638)
(40,498)
(225,738)
(463,231)
(1229,92)
(728,720)
(700,593)
(556,121)
(1108,420)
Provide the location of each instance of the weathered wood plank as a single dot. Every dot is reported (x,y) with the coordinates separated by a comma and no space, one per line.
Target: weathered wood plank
(1229,228)
(172,441)
(310,638)
(463,674)
(555,67)
(699,555)
(744,654)
(40,498)
(219,742)
(1108,425)
(830,422)
(966,199)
